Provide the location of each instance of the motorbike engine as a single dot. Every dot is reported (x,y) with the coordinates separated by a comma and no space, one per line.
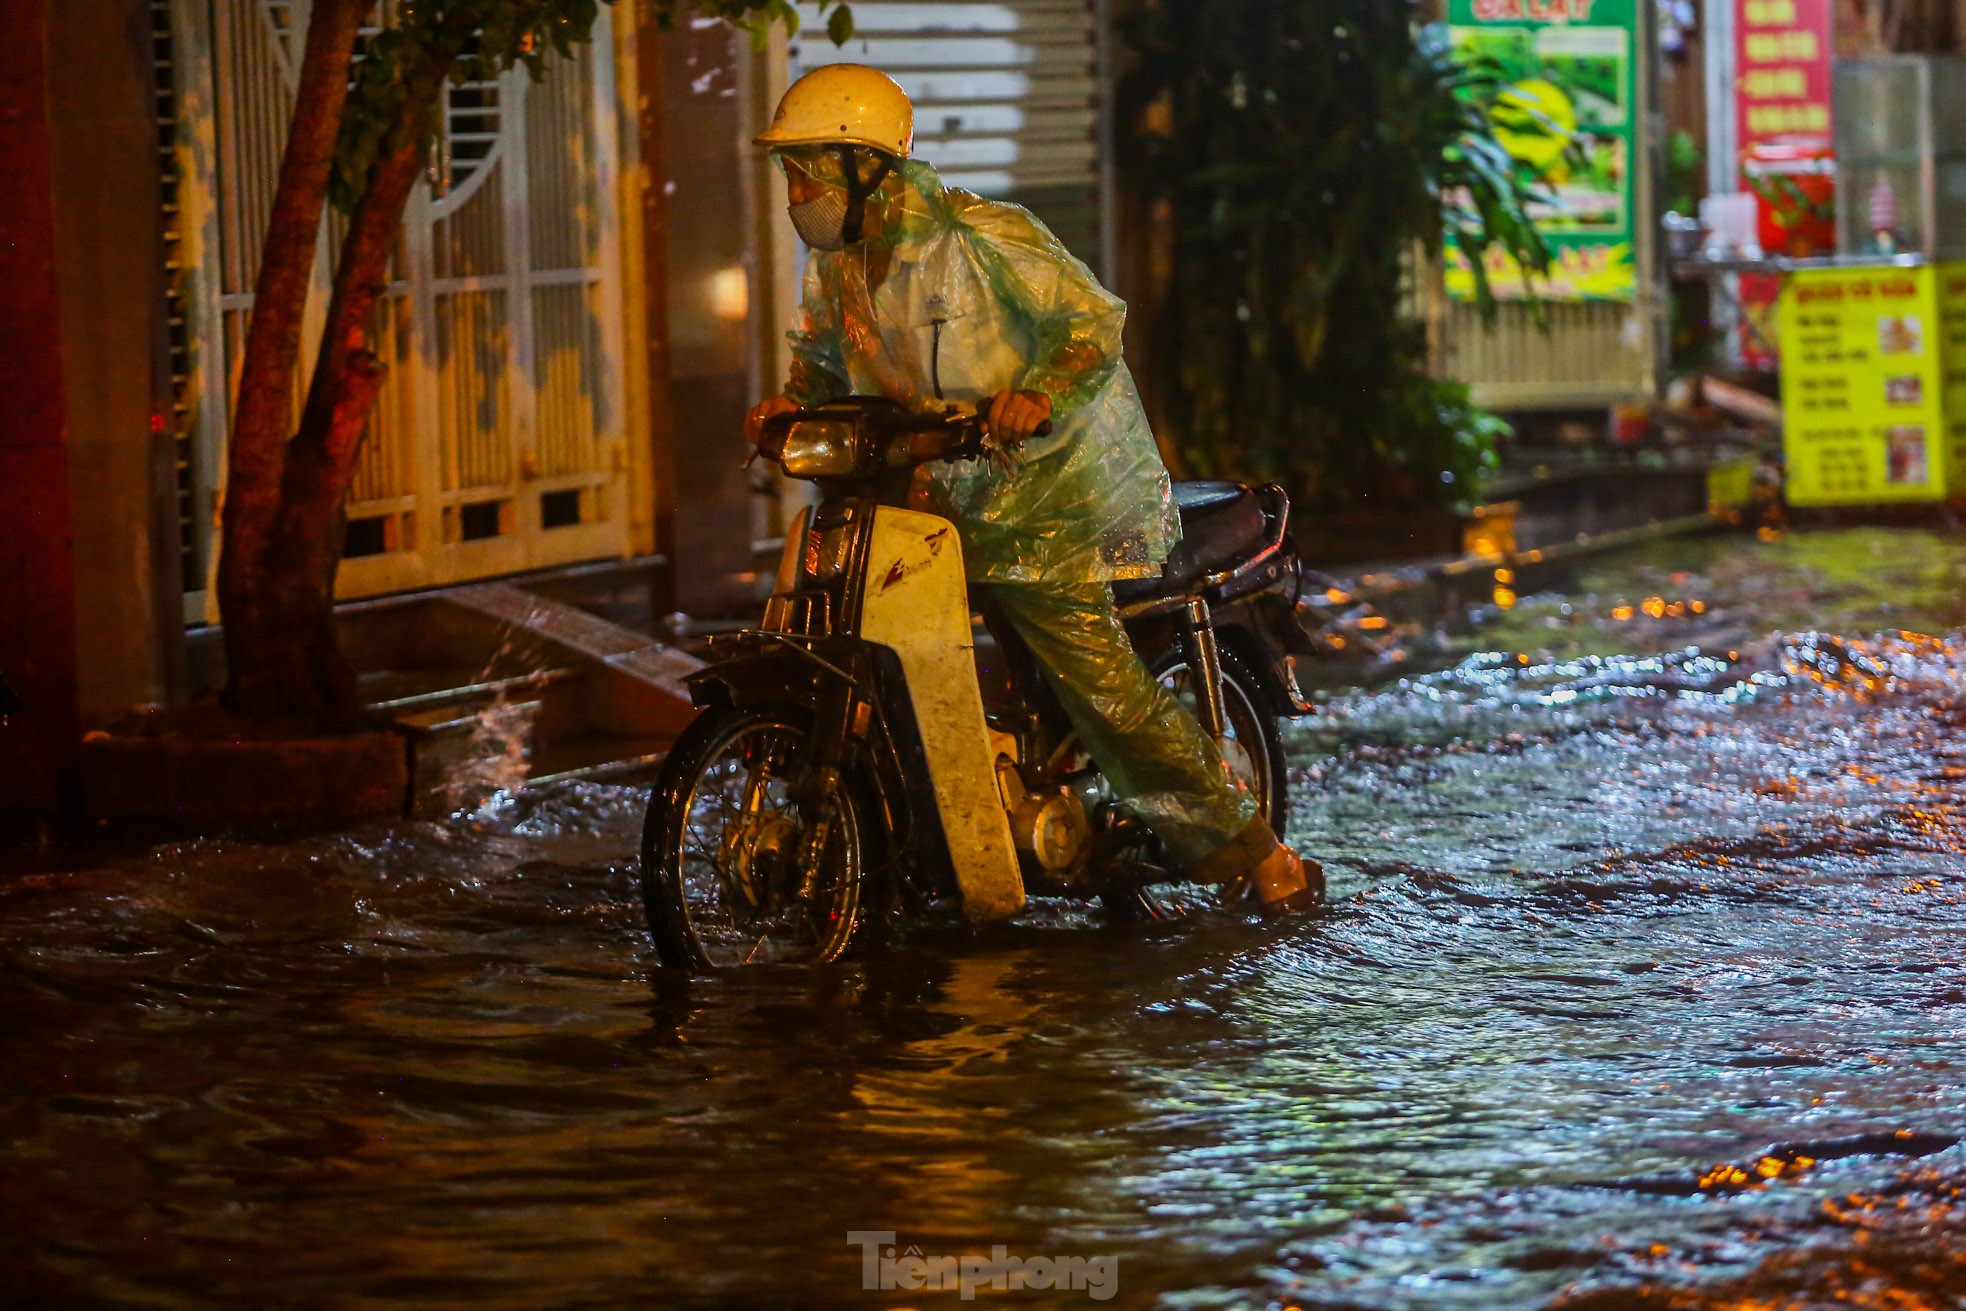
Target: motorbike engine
(1050,826)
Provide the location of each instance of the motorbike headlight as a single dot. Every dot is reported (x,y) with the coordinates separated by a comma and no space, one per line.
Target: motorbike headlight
(819,448)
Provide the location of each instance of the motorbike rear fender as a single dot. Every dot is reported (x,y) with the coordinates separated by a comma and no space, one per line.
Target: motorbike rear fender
(1263,656)
(1272,632)
(1259,626)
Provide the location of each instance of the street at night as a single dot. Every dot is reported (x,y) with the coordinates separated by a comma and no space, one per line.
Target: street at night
(1191,655)
(1639,986)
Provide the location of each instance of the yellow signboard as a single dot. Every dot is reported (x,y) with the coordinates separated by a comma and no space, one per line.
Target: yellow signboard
(1730,486)
(1866,384)
(1952,331)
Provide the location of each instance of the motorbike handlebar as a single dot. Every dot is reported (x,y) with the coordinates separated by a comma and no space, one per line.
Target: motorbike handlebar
(975,432)
(884,435)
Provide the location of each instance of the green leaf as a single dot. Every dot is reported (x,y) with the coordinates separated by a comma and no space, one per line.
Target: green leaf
(1293,211)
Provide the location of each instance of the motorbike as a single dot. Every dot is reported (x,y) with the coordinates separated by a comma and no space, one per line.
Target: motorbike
(881,742)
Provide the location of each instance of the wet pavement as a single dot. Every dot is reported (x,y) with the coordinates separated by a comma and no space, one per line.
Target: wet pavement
(1644,985)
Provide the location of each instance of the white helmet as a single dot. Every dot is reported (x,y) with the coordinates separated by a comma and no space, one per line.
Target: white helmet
(844,104)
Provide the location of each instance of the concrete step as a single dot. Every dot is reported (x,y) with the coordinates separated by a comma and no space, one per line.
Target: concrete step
(497,688)
(463,753)
(598,757)
(399,691)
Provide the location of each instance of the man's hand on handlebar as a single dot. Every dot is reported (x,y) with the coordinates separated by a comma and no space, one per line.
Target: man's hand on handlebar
(1014,416)
(996,430)
(769,408)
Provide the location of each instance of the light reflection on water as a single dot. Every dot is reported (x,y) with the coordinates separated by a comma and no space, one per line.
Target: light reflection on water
(1643,972)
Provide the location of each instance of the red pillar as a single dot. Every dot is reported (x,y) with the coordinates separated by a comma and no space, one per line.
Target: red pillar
(37,578)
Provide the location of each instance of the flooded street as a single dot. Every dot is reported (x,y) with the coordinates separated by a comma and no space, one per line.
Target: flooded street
(1644,984)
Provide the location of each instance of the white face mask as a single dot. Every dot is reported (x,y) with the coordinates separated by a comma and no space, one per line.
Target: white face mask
(821,221)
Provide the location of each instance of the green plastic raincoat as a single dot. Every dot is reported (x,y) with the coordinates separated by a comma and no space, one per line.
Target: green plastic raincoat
(972,297)
(979,297)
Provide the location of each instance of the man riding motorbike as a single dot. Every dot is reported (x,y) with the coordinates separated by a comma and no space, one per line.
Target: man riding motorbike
(922,293)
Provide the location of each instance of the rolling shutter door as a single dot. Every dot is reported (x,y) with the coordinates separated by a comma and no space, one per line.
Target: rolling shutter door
(1006,98)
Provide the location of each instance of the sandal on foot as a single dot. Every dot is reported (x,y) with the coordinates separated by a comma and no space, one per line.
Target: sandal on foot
(1307,898)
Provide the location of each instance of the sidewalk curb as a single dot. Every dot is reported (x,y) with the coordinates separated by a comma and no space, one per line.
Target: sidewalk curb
(1422,591)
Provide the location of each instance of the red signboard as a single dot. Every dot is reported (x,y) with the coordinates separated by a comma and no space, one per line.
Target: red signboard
(1782,131)
(1781,71)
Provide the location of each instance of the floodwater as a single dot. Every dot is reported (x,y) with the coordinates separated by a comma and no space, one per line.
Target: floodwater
(1644,985)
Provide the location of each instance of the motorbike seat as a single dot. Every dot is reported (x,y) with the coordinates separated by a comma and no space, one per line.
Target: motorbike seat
(1221,523)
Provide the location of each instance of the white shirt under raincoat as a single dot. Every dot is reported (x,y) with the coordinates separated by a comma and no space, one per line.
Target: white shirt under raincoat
(980,297)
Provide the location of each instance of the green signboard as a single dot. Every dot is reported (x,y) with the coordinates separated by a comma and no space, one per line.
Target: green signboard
(1569,113)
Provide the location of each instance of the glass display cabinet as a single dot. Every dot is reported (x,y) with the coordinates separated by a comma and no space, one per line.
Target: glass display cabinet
(1901,156)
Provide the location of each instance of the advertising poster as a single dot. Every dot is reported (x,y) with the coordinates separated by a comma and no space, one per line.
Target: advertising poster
(1782,52)
(1952,330)
(1569,114)
(1864,386)
(1782,67)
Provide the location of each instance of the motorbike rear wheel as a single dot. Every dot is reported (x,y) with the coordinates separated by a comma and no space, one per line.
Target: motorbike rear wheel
(724,849)
(1256,755)
(1255,745)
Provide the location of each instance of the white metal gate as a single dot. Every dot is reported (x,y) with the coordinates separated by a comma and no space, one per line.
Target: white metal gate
(1008,99)
(497,442)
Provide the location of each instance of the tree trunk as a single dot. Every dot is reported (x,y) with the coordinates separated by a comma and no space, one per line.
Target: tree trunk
(285,513)
(309,669)
(262,415)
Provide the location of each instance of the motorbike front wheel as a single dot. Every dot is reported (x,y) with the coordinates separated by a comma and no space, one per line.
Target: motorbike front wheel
(727,868)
